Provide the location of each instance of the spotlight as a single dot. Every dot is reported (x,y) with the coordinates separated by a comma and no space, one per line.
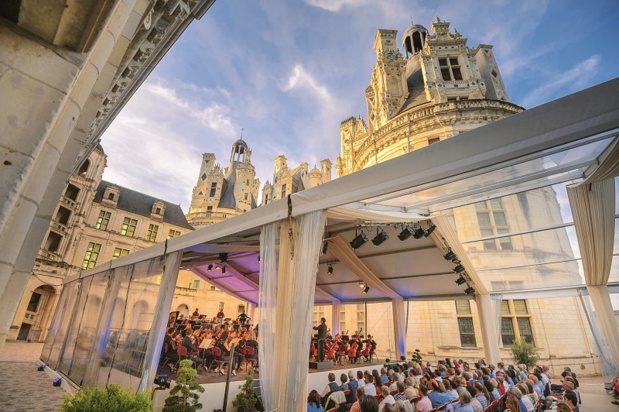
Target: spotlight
(223,257)
(40,367)
(459,269)
(420,232)
(461,280)
(469,291)
(217,267)
(162,381)
(330,269)
(456,261)
(223,269)
(450,255)
(57,382)
(380,237)
(210,267)
(362,284)
(359,240)
(430,229)
(325,247)
(366,289)
(405,233)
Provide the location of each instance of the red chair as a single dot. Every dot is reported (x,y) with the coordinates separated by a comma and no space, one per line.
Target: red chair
(218,360)
(393,393)
(249,353)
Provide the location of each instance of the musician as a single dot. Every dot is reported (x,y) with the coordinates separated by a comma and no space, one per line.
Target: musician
(191,348)
(196,312)
(220,316)
(243,318)
(321,335)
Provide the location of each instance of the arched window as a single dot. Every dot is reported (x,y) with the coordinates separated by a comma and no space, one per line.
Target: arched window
(84,168)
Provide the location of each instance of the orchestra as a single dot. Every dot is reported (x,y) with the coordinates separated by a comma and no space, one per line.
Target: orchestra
(343,348)
(198,335)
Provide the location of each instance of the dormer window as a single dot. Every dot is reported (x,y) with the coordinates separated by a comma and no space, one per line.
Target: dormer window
(450,68)
(111,196)
(157,210)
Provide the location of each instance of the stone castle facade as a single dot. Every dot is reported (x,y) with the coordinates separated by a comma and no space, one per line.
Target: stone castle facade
(287,180)
(221,193)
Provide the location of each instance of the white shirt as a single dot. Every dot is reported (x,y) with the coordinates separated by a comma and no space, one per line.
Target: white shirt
(370,389)
(388,400)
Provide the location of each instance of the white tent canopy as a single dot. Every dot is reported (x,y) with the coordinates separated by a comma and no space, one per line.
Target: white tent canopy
(548,146)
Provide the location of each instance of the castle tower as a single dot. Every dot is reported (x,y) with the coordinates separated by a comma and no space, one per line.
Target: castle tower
(223,193)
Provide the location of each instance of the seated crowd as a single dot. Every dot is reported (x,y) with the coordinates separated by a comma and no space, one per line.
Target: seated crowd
(452,386)
(208,343)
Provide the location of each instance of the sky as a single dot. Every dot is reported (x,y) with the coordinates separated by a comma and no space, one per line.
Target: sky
(285,74)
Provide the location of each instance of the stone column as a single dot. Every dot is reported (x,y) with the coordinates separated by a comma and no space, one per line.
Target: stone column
(489,328)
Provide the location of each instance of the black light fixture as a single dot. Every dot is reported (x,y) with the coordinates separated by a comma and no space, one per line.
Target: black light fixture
(359,240)
(461,280)
(162,381)
(57,382)
(405,233)
(40,367)
(469,291)
(223,257)
(210,267)
(459,269)
(366,288)
(223,269)
(419,233)
(380,237)
(325,247)
(361,284)
(450,255)
(430,229)
(456,261)
(330,269)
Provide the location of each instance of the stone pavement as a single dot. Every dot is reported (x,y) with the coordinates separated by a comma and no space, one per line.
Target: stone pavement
(23,387)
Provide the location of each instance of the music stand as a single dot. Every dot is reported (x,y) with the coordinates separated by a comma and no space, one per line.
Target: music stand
(206,343)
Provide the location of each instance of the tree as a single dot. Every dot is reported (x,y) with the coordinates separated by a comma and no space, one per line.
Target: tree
(246,398)
(524,352)
(416,356)
(184,396)
(111,399)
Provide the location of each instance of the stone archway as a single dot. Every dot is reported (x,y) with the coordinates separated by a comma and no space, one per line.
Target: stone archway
(38,314)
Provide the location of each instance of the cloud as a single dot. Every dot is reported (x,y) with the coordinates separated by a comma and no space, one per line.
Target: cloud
(336,5)
(299,78)
(577,78)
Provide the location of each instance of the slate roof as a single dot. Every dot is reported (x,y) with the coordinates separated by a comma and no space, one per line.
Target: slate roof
(142,204)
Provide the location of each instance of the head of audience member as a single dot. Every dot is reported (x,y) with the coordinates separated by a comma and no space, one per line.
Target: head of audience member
(351,375)
(383,371)
(516,392)
(369,379)
(313,398)
(343,378)
(368,404)
(359,375)
(523,388)
(570,398)
(331,377)
(401,387)
(512,403)
(471,390)
(563,407)
(465,397)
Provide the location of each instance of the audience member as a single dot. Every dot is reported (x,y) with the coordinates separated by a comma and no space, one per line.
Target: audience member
(313,402)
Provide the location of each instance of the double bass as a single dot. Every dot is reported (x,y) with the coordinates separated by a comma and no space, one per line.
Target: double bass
(352,352)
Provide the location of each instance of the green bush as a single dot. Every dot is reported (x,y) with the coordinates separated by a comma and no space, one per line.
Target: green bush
(111,399)
(246,398)
(524,352)
(184,397)
(417,356)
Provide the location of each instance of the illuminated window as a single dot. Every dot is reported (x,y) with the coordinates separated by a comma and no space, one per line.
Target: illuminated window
(118,252)
(128,227)
(103,220)
(515,322)
(173,233)
(465,324)
(151,234)
(91,256)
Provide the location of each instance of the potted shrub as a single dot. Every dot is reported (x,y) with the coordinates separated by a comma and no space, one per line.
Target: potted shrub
(184,396)
(524,352)
(245,400)
(111,399)
(417,356)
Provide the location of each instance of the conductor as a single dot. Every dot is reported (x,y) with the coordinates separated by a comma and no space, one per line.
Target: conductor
(321,335)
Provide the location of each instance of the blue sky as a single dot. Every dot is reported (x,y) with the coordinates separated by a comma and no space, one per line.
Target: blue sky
(288,72)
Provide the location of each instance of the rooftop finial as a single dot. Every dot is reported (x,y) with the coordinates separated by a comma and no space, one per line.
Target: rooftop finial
(242,133)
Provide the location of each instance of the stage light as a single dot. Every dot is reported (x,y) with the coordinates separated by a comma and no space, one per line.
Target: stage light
(210,267)
(450,255)
(456,261)
(419,233)
(430,229)
(461,280)
(223,257)
(330,269)
(459,269)
(57,382)
(361,284)
(217,267)
(40,367)
(359,240)
(380,237)
(325,247)
(162,381)
(223,269)
(366,289)
(469,291)
(405,233)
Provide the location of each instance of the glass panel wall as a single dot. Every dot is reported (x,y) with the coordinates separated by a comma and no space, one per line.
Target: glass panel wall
(380,325)
(86,326)
(130,323)
(62,322)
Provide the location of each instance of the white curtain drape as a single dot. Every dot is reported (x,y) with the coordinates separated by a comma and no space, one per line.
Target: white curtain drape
(489,330)
(291,307)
